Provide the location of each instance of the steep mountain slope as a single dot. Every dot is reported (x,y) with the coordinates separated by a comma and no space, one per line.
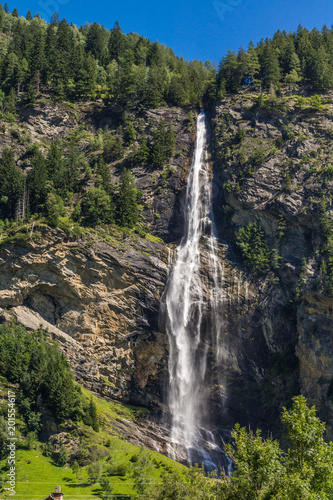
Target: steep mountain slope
(273,171)
(271,161)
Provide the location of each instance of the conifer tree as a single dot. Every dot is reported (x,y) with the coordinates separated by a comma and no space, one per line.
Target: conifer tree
(229,72)
(116,42)
(252,63)
(102,170)
(11,184)
(270,68)
(95,40)
(322,70)
(130,134)
(37,179)
(93,416)
(55,19)
(97,207)
(155,87)
(163,144)
(142,154)
(127,206)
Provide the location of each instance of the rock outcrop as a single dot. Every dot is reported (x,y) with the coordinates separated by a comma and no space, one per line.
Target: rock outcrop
(99,300)
(99,294)
(272,157)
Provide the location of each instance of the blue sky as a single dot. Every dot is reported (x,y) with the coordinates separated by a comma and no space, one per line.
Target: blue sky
(192,28)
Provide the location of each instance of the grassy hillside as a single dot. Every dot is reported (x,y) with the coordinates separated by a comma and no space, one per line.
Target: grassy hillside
(37,474)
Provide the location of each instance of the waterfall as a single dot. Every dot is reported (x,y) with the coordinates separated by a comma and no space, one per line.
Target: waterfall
(184,306)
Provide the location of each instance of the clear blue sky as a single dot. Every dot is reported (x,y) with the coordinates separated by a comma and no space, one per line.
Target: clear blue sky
(193,29)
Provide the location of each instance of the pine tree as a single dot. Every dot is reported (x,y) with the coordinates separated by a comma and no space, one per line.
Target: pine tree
(176,92)
(163,144)
(15,12)
(85,78)
(62,456)
(6,8)
(322,70)
(56,169)
(306,53)
(51,52)
(97,207)
(230,72)
(130,134)
(270,69)
(155,87)
(72,168)
(127,206)
(116,42)
(294,63)
(95,40)
(143,153)
(141,51)
(102,170)
(28,16)
(55,19)
(154,54)
(37,59)
(252,64)
(93,416)
(37,179)
(11,184)
(64,48)
(295,68)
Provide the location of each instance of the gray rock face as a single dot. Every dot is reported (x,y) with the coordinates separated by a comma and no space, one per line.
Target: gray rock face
(99,301)
(275,175)
(99,298)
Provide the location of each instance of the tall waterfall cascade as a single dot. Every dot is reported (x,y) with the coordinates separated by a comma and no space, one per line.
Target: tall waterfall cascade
(188,295)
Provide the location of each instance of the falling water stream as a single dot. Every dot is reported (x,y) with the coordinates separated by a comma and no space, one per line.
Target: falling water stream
(186,299)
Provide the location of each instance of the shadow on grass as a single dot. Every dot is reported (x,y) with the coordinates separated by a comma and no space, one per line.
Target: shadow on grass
(97,491)
(78,485)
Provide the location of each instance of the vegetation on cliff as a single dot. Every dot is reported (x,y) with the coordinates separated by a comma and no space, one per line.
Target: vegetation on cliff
(44,379)
(91,61)
(271,132)
(63,431)
(273,154)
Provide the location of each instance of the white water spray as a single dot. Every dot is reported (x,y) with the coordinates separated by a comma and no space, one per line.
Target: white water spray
(184,304)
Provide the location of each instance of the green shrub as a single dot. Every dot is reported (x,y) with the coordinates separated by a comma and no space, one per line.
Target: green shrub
(254,248)
(287,132)
(316,102)
(97,207)
(112,147)
(25,359)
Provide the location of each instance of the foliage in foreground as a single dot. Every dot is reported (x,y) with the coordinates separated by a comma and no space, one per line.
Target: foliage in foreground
(263,470)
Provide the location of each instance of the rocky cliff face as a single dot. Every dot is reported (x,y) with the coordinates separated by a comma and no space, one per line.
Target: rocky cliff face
(272,167)
(102,298)
(98,292)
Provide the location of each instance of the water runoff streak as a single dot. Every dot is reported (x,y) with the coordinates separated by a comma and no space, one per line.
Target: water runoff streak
(184,307)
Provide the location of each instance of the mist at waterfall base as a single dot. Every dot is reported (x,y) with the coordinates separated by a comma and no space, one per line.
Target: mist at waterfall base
(184,310)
